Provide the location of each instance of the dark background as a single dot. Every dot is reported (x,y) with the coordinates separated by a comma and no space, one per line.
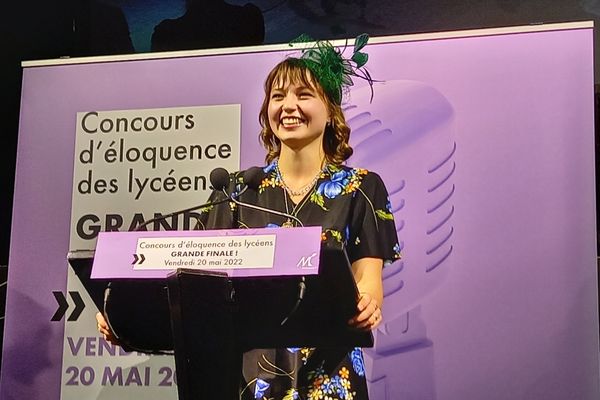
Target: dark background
(45,29)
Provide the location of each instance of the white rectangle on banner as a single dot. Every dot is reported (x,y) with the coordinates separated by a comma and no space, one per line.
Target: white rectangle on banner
(223,252)
(129,166)
(132,164)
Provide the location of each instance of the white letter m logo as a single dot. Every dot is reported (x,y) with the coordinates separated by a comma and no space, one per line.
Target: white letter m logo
(306,262)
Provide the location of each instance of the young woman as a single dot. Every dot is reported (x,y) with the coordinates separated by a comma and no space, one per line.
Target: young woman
(306,137)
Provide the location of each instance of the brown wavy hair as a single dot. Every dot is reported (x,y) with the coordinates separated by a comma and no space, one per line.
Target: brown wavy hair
(337,132)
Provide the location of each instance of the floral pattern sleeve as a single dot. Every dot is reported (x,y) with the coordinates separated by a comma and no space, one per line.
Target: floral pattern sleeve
(372,229)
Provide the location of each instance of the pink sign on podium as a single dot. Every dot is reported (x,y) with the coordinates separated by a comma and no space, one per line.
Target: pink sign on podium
(237,252)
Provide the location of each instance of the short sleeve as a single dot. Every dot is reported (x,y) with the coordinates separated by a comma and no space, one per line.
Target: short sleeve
(372,228)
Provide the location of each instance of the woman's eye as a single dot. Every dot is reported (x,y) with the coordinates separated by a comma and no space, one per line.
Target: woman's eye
(305,95)
(276,96)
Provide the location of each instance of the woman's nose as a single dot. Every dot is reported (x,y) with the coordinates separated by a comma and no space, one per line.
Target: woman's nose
(289,103)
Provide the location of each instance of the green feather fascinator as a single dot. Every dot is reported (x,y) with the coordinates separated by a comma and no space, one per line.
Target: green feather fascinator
(329,66)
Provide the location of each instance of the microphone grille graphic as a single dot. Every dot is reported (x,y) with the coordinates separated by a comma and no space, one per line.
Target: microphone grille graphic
(406,134)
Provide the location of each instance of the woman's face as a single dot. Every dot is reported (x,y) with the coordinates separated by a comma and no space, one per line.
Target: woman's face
(297,114)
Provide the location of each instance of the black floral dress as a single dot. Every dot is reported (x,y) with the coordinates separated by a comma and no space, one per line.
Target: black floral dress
(352,206)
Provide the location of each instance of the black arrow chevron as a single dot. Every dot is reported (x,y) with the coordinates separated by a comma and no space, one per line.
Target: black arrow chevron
(137,258)
(62,306)
(79,306)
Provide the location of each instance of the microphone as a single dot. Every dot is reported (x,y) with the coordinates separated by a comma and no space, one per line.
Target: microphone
(252,178)
(219,180)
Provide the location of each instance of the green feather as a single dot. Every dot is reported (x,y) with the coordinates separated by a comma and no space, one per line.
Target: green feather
(360,42)
(360,59)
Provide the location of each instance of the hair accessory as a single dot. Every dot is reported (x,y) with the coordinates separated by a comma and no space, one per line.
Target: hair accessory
(329,66)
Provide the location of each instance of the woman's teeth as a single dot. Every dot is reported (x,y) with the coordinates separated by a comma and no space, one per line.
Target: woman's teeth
(291,121)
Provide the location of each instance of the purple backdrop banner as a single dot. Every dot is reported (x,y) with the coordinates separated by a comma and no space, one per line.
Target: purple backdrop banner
(485,142)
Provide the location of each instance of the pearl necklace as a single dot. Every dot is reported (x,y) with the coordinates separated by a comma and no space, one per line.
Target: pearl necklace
(303,190)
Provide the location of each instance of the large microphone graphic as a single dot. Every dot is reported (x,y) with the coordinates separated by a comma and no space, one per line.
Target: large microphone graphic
(219,180)
(417,121)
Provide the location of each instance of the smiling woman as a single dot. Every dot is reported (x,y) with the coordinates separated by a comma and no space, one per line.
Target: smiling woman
(306,180)
(306,137)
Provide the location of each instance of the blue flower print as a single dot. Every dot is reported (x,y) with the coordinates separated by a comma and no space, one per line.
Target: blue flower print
(270,167)
(337,181)
(389,206)
(327,387)
(335,185)
(237,191)
(260,388)
(338,386)
(293,349)
(397,254)
(358,364)
(270,225)
(336,380)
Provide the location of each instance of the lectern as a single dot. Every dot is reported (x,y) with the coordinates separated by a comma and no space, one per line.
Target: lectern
(210,317)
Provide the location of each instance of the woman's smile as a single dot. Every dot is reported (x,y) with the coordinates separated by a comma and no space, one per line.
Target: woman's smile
(291,122)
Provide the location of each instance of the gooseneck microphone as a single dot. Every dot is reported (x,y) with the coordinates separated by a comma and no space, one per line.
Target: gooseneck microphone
(219,180)
(252,178)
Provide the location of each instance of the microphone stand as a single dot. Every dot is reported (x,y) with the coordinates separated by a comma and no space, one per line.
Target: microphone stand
(207,204)
(259,208)
(302,283)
